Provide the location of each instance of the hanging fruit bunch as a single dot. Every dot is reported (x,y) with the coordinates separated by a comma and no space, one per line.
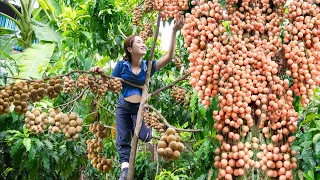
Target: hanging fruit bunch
(302,48)
(100,85)
(69,84)
(5,100)
(178,63)
(55,87)
(115,85)
(21,96)
(83,81)
(152,120)
(95,87)
(169,146)
(99,130)
(236,56)
(147,6)
(94,149)
(36,121)
(146,32)
(178,94)
(170,9)
(72,125)
(38,89)
(137,15)
(55,120)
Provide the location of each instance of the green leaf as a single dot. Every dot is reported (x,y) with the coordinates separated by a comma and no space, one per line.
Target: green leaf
(87,35)
(87,63)
(46,33)
(226,23)
(48,144)
(6,31)
(309,175)
(309,118)
(81,108)
(43,5)
(38,142)
(32,153)
(32,58)
(90,118)
(317,148)
(316,137)
(34,170)
(46,163)
(202,111)
(15,147)
(14,132)
(27,143)
(193,103)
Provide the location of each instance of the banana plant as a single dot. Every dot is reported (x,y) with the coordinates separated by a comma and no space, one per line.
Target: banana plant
(24,21)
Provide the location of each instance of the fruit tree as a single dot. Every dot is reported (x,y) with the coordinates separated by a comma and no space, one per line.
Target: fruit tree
(245,78)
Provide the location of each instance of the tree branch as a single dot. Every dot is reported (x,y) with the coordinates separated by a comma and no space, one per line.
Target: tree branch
(78,97)
(170,85)
(185,143)
(123,35)
(104,107)
(134,142)
(167,123)
(78,71)
(110,127)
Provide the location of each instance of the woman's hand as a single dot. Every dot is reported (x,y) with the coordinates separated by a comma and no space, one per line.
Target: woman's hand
(179,24)
(96,69)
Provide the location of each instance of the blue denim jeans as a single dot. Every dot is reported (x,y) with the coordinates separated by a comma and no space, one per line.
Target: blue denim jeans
(126,116)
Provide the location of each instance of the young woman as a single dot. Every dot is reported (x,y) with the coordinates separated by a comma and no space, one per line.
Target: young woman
(133,69)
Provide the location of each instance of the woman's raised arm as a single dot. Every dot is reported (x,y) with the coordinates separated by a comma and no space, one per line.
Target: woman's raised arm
(169,55)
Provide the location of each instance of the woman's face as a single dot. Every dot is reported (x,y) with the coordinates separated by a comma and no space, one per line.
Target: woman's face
(138,47)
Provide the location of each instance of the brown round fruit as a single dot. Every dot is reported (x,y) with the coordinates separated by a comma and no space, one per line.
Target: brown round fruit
(173,145)
(171,138)
(180,146)
(168,152)
(162,144)
(170,131)
(175,155)
(160,151)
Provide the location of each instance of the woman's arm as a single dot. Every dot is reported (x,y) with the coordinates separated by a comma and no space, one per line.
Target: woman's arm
(169,55)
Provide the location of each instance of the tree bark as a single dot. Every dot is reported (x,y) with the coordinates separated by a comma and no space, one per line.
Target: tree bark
(145,96)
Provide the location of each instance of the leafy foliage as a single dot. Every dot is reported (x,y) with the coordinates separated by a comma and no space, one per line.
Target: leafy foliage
(307,143)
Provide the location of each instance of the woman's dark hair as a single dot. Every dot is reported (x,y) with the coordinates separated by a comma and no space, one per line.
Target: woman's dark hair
(128,43)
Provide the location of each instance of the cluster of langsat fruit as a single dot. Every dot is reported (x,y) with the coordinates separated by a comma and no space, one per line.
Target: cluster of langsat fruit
(83,81)
(72,125)
(178,94)
(69,84)
(152,120)
(55,87)
(55,119)
(94,149)
(37,90)
(100,85)
(137,15)
(147,6)
(99,130)
(5,100)
(36,121)
(171,8)
(146,32)
(169,146)
(178,63)
(20,97)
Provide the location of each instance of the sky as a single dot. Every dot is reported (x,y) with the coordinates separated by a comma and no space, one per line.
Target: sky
(166,35)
